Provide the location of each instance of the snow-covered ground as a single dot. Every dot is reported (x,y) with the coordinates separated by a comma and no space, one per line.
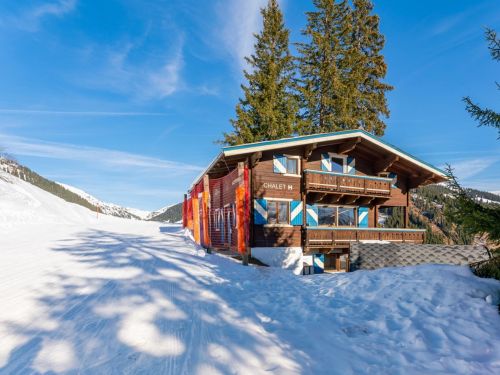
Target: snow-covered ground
(80,294)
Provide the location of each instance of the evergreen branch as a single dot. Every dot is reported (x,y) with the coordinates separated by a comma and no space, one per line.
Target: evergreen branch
(493,44)
(485,116)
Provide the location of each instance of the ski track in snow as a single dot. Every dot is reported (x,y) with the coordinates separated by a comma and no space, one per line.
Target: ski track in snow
(87,295)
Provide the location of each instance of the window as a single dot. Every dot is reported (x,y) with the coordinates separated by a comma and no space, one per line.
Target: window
(288,165)
(347,216)
(337,216)
(338,164)
(278,212)
(327,215)
(292,165)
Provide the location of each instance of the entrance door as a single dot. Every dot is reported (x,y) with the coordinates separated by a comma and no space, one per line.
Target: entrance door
(336,262)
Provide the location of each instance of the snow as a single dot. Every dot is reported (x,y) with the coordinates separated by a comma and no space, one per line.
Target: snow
(141,214)
(157,212)
(81,294)
(105,207)
(289,258)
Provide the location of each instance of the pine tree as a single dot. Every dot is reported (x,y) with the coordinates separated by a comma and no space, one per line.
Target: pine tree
(322,87)
(269,108)
(366,70)
(342,69)
(486,116)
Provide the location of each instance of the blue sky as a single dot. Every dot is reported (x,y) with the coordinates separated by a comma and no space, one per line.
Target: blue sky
(125,98)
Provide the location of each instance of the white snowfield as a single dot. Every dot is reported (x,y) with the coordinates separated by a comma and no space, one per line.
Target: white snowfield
(87,295)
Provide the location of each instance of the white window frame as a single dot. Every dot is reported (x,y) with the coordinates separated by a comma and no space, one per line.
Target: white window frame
(339,156)
(298,166)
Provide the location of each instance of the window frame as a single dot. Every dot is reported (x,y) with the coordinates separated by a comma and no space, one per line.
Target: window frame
(295,157)
(277,201)
(339,156)
(336,224)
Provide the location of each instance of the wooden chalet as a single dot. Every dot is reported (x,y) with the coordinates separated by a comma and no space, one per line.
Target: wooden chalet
(316,193)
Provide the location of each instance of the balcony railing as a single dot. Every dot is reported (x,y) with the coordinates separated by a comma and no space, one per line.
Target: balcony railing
(330,237)
(341,183)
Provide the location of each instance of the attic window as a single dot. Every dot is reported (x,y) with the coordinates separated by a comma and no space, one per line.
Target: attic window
(287,165)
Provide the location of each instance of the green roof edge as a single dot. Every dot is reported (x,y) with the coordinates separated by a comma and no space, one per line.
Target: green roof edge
(324,135)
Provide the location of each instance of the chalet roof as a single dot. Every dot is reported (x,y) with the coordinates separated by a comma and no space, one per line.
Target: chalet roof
(232,153)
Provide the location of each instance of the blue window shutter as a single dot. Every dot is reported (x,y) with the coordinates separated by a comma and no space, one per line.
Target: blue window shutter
(326,163)
(296,213)
(351,165)
(259,211)
(394,177)
(279,163)
(363,217)
(319,263)
(312,215)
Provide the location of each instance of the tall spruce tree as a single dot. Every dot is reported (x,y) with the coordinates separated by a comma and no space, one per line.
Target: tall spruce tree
(269,107)
(366,70)
(323,94)
(342,69)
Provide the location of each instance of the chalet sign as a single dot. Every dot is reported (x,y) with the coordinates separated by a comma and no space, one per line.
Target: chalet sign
(277,186)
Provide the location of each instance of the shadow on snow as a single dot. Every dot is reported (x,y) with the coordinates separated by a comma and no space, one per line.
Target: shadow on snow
(136,304)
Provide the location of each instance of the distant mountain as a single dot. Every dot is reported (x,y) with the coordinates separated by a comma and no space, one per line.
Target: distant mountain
(66,192)
(104,207)
(157,212)
(171,214)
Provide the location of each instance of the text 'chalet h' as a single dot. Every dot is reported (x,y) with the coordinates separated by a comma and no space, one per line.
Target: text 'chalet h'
(310,195)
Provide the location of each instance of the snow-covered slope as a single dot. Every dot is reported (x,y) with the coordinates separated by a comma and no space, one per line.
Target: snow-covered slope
(105,207)
(22,203)
(157,212)
(87,295)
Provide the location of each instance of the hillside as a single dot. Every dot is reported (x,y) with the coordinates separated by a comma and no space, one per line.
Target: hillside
(171,214)
(68,193)
(35,179)
(428,207)
(104,207)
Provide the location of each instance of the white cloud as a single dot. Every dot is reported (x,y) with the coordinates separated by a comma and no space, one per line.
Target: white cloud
(94,155)
(55,8)
(238,21)
(152,78)
(465,169)
(29,19)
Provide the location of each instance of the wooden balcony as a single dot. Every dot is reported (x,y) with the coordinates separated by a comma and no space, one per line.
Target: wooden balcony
(341,237)
(340,183)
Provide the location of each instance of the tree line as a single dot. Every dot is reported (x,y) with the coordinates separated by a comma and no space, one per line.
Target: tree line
(336,81)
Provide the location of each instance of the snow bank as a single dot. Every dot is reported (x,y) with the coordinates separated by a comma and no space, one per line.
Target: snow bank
(289,258)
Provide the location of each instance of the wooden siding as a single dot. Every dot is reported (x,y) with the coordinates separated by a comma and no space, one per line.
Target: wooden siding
(267,184)
(277,236)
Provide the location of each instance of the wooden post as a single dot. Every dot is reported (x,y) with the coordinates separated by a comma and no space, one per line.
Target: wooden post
(304,203)
(407,210)
(251,233)
(207,222)
(241,228)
